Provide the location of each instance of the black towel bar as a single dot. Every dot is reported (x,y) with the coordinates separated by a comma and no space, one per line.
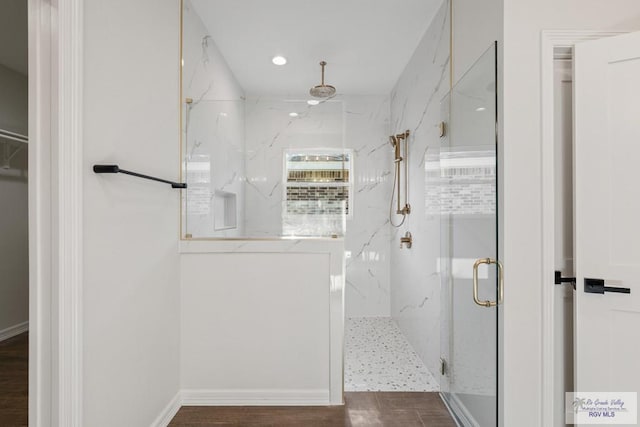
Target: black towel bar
(116,169)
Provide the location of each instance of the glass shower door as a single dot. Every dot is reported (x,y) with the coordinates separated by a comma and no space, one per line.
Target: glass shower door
(468,164)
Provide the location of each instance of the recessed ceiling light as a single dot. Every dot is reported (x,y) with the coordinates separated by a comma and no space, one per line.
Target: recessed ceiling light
(313,102)
(279,60)
(293,114)
(480,109)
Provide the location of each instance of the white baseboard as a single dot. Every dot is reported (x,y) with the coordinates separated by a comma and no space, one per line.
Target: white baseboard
(14,330)
(203,397)
(268,397)
(168,412)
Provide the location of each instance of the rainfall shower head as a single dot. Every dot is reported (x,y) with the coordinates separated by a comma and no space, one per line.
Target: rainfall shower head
(322,90)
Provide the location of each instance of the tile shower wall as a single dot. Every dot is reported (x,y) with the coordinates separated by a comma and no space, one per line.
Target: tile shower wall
(270,130)
(367,240)
(415,105)
(212,135)
(359,123)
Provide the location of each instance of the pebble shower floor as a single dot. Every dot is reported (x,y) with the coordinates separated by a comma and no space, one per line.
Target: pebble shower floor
(378,357)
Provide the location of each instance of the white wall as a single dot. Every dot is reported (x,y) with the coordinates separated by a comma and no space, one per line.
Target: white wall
(415,105)
(236,326)
(131,226)
(256,330)
(520,168)
(268,334)
(14,244)
(213,132)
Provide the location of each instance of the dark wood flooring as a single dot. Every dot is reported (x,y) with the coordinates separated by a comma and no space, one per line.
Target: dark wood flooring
(401,409)
(14,381)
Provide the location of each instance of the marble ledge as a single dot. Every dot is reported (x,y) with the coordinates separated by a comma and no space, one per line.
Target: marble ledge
(334,246)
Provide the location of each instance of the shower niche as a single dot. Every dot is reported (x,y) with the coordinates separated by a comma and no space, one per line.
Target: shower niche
(224,211)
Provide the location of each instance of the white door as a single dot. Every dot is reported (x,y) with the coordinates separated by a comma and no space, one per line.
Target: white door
(607,219)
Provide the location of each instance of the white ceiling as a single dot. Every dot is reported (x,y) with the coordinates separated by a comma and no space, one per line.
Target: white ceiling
(366,43)
(13,35)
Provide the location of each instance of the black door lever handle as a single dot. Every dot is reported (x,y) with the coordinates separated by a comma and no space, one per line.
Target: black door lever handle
(559,280)
(596,286)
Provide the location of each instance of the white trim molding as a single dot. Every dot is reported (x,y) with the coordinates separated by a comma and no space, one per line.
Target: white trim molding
(40,228)
(55,212)
(252,397)
(14,330)
(69,174)
(550,40)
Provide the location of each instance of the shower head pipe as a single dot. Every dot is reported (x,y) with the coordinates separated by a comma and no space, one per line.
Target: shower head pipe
(322,90)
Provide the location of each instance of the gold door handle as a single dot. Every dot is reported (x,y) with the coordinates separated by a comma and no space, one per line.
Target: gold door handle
(475,282)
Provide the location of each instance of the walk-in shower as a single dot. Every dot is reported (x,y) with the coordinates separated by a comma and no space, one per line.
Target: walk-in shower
(270,162)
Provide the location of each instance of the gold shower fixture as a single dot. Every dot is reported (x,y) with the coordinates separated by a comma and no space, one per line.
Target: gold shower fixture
(401,155)
(322,90)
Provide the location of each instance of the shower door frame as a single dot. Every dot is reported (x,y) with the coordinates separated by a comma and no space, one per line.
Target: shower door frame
(452,404)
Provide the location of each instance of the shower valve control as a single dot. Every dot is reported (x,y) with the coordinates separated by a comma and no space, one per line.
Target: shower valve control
(406,210)
(406,240)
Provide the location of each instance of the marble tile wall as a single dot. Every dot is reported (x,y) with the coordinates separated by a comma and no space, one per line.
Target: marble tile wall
(368,283)
(358,123)
(270,131)
(212,136)
(415,105)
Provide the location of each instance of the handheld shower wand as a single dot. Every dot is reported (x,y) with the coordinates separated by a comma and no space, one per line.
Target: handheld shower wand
(395,141)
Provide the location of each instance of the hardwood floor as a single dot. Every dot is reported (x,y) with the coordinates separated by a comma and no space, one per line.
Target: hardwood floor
(401,409)
(14,381)
(393,409)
